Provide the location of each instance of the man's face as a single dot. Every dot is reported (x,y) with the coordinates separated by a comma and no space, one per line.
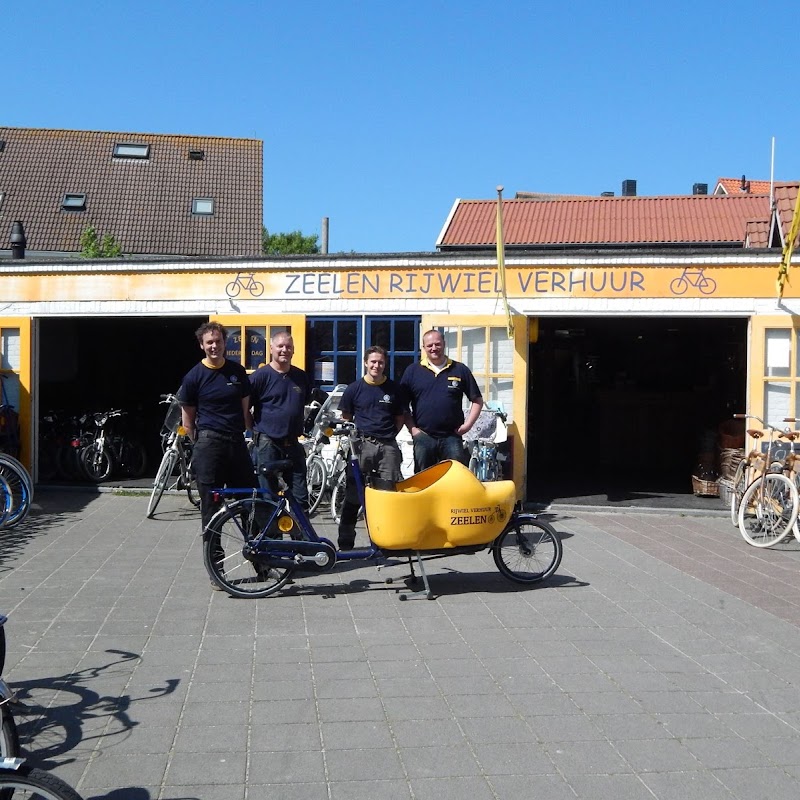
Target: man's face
(213,345)
(281,349)
(376,364)
(433,345)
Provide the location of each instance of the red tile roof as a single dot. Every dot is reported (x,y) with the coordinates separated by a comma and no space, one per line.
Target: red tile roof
(145,204)
(734,186)
(785,201)
(691,219)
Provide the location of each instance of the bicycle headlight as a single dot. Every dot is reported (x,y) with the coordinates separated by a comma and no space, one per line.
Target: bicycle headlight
(285,524)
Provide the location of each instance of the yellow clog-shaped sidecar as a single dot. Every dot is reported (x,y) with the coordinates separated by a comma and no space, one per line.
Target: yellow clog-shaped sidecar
(440,508)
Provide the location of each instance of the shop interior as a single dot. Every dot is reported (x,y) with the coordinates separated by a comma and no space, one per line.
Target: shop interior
(625,406)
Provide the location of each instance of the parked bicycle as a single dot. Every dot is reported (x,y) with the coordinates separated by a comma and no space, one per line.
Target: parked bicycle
(175,471)
(768,508)
(483,441)
(18,780)
(17,490)
(439,512)
(113,451)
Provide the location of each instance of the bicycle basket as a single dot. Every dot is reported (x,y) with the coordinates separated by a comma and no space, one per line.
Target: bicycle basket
(173,417)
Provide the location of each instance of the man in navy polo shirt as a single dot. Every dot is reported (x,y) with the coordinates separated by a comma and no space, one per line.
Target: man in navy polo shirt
(375,404)
(280,394)
(215,410)
(436,386)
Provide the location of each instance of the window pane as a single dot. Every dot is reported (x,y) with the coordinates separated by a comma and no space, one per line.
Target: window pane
(273,329)
(776,403)
(776,357)
(381,334)
(257,351)
(348,335)
(9,349)
(501,392)
(346,369)
(399,366)
(323,336)
(404,331)
(11,389)
(233,346)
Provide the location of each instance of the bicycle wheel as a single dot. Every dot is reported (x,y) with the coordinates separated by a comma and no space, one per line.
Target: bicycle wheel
(338,495)
(317,479)
(19,490)
(189,482)
(134,459)
(6,502)
(9,738)
(224,539)
(528,551)
(97,463)
(739,485)
(29,783)
(162,479)
(20,469)
(768,510)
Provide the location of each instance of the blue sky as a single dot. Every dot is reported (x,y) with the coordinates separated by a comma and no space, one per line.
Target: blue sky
(380,115)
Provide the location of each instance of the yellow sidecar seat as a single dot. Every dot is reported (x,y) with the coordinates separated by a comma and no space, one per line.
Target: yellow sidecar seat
(442,507)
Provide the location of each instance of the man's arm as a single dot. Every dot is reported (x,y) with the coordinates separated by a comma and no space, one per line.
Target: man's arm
(248,414)
(188,419)
(472,416)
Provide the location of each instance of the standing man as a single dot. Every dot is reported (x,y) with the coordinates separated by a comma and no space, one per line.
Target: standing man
(375,404)
(280,394)
(215,410)
(436,386)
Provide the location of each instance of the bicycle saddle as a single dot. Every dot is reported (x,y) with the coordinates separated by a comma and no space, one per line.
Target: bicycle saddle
(442,507)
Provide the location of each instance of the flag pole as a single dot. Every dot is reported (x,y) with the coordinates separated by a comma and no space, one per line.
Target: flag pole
(501,262)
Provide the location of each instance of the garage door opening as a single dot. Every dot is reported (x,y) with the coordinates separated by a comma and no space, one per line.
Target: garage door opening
(627,406)
(95,365)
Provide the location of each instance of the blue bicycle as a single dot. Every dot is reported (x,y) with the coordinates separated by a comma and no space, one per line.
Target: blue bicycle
(256,543)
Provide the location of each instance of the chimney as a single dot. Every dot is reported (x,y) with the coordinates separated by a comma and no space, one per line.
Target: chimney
(700,188)
(18,240)
(324,237)
(629,188)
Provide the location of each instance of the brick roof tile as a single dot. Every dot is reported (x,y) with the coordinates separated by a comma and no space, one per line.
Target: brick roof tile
(144,204)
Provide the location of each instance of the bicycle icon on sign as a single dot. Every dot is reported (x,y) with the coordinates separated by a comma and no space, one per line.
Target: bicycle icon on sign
(246,281)
(693,277)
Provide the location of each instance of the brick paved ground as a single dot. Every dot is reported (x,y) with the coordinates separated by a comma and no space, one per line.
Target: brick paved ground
(663,662)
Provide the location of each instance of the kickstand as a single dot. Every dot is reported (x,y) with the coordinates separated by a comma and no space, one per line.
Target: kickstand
(426,592)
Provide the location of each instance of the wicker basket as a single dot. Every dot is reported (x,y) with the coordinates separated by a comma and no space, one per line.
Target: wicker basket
(729,458)
(705,488)
(725,490)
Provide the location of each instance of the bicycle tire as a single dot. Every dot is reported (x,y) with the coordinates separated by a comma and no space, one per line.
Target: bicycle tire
(528,551)
(21,469)
(30,783)
(316,480)
(161,480)
(6,503)
(224,539)
(97,463)
(338,495)
(19,489)
(190,484)
(739,485)
(769,521)
(9,737)
(134,459)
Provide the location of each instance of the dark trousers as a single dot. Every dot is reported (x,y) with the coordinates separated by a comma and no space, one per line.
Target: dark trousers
(429,450)
(269,450)
(378,459)
(219,463)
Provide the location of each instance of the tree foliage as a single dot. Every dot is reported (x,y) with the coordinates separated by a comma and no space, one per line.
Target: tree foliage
(286,244)
(93,246)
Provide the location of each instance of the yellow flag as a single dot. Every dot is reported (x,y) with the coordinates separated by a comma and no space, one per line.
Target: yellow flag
(788,247)
(501,262)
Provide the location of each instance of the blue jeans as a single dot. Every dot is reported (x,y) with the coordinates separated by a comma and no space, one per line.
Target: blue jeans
(269,450)
(429,450)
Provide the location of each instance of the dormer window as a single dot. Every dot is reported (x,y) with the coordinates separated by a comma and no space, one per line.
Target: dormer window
(129,150)
(203,206)
(74,202)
